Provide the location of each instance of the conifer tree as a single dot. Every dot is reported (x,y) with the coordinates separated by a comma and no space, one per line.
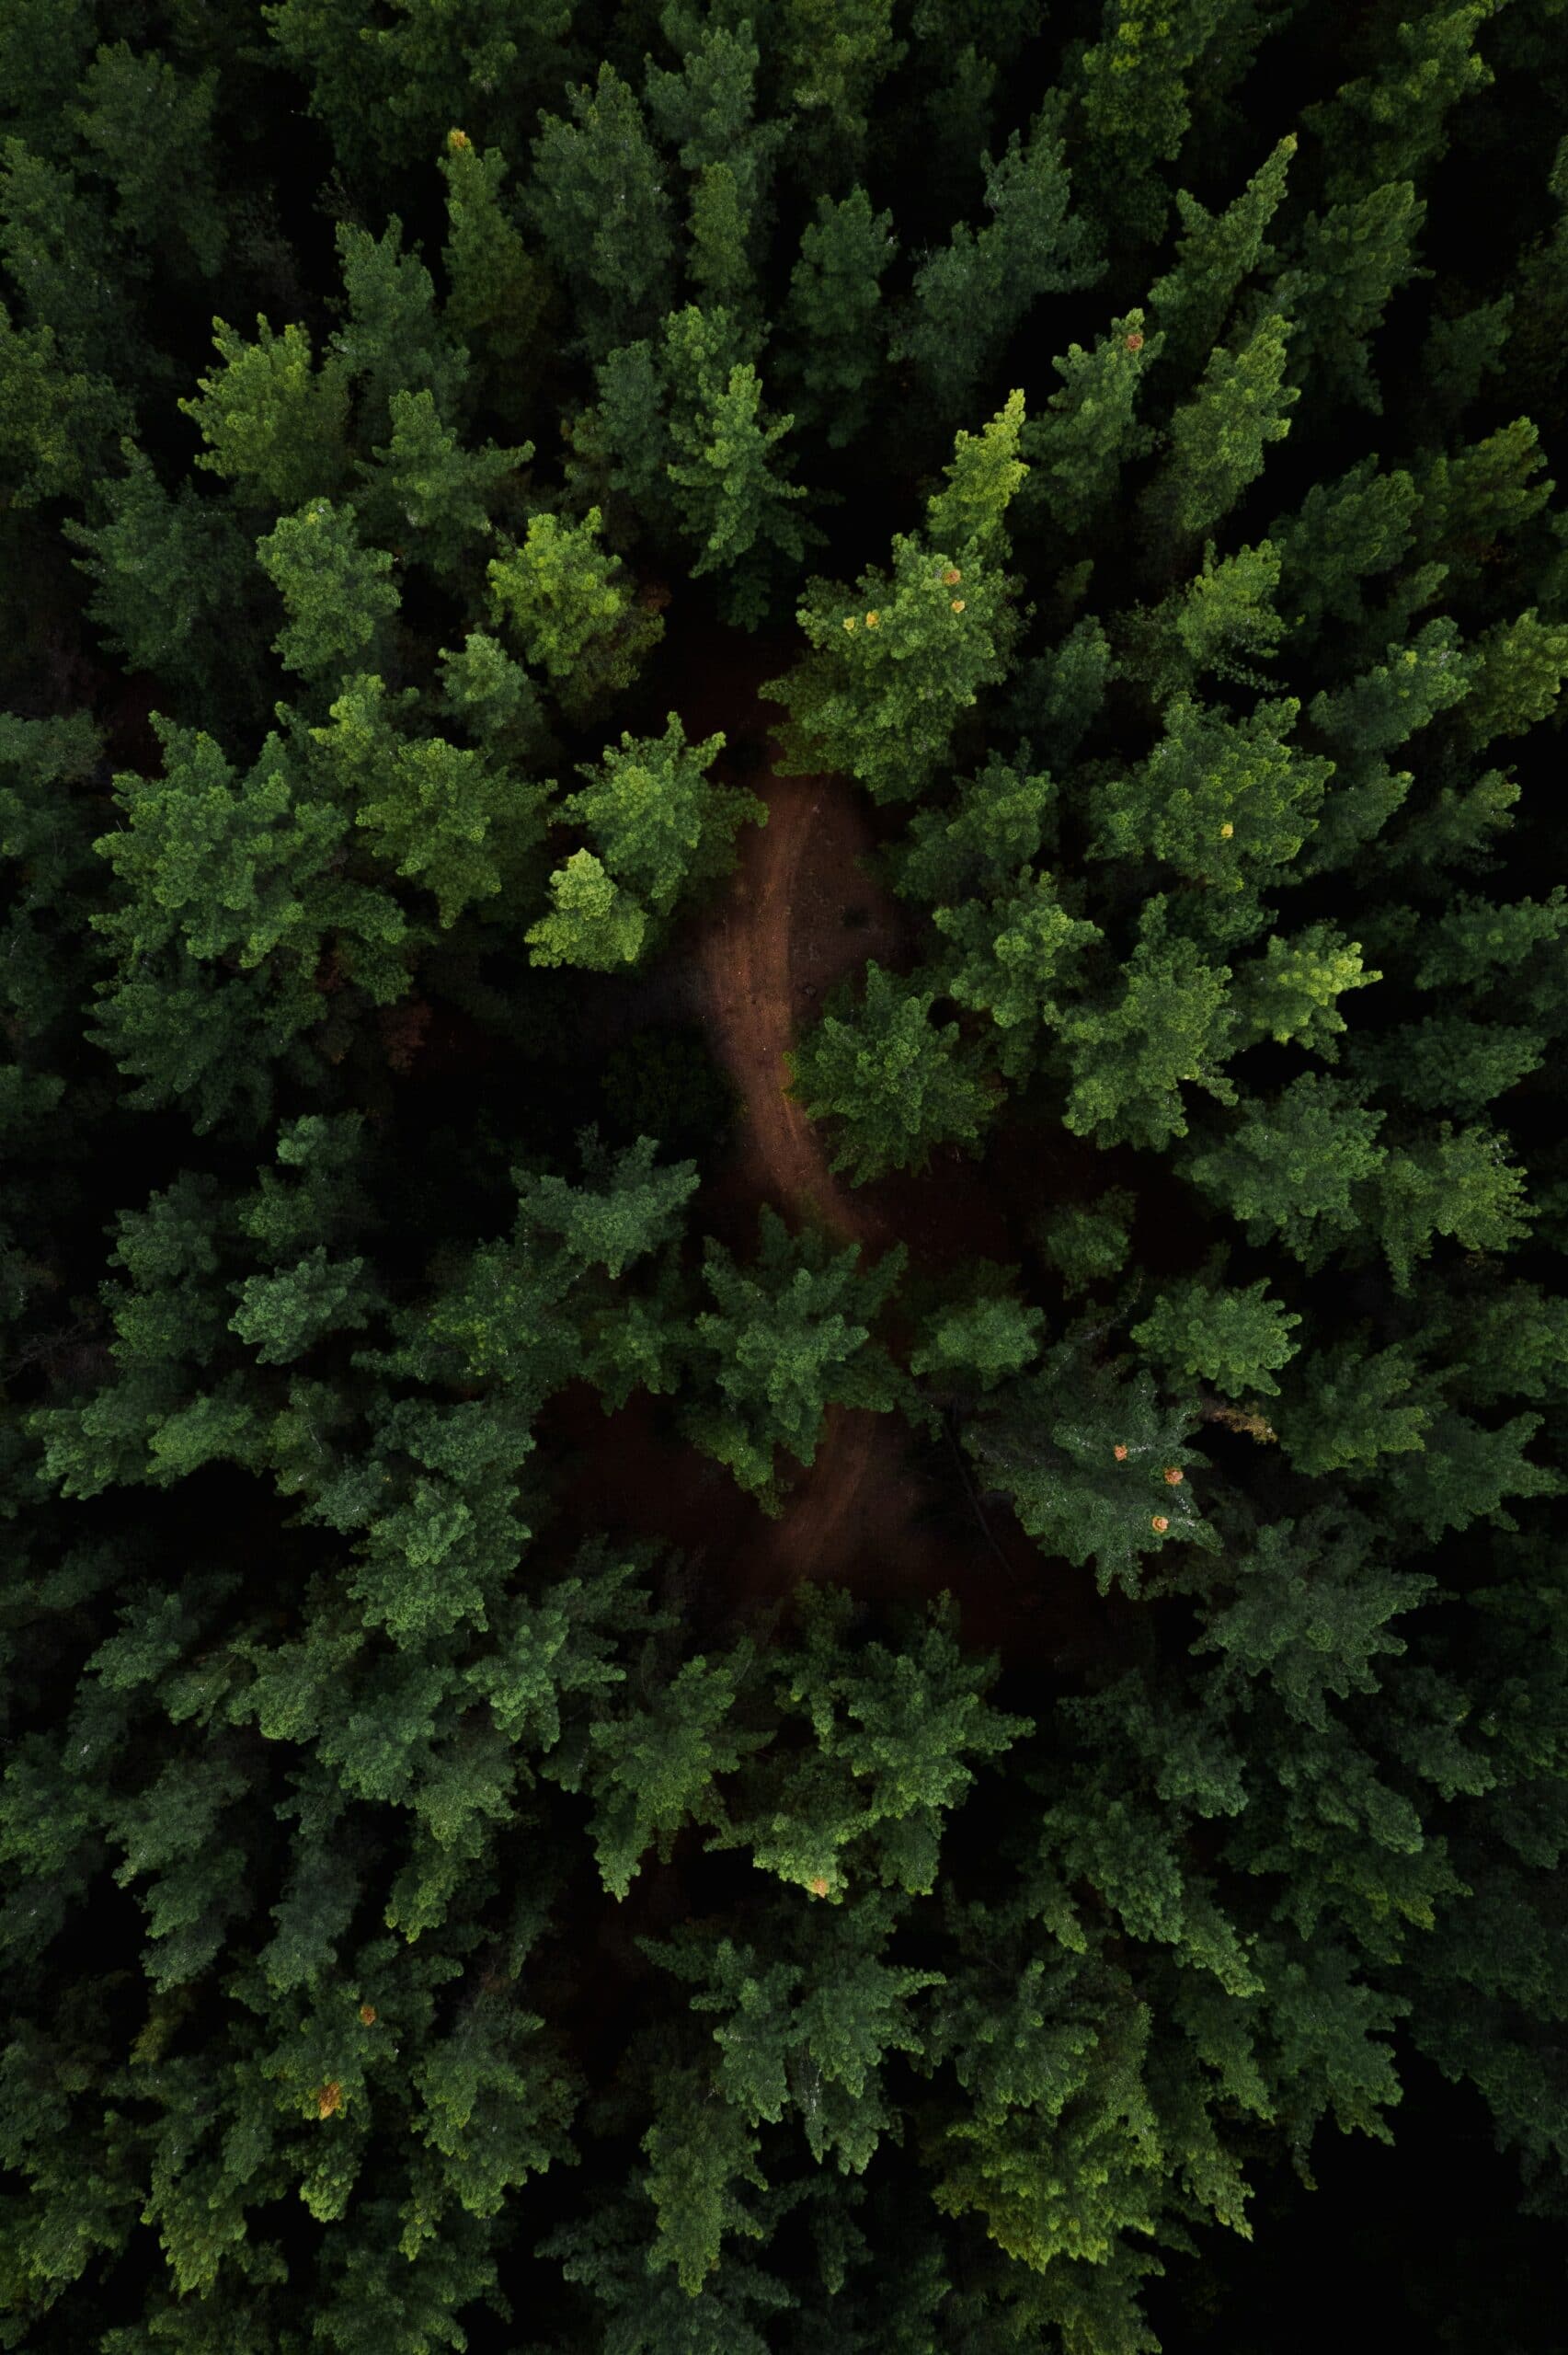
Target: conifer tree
(336,593)
(899,1084)
(658,823)
(1392,124)
(136,111)
(1134,97)
(834,328)
(1235,1338)
(968,300)
(1085,1453)
(1077,447)
(707,113)
(591,920)
(886,681)
(496,291)
(425,484)
(274,424)
(1215,256)
(1219,438)
(1348,264)
(734,497)
(170,578)
(598,198)
(1130,1049)
(834,59)
(572,608)
(789,1335)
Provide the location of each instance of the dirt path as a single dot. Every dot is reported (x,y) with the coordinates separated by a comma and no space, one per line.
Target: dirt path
(751,989)
(799,915)
(802,910)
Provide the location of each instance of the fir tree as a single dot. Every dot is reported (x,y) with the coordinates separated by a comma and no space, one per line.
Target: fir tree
(788,1335)
(1077,447)
(598,200)
(834,328)
(968,300)
(1215,256)
(1219,438)
(899,1084)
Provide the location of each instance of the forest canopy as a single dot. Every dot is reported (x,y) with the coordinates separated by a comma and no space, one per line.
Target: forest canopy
(781,1256)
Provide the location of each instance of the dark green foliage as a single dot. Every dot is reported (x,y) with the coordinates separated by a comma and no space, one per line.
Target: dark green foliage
(782,1343)
(967,298)
(598,201)
(607,1743)
(833,330)
(891,1077)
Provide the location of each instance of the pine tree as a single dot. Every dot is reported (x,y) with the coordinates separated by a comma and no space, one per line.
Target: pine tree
(834,59)
(137,113)
(498,295)
(1293,991)
(1534,350)
(591,920)
(1227,803)
(833,332)
(1516,672)
(654,819)
(1169,1024)
(230,894)
(573,610)
(967,300)
(273,423)
(598,198)
(1225,611)
(899,1084)
(1084,1451)
(1078,445)
(1236,1337)
(392,340)
(886,681)
(338,593)
(440,815)
(425,484)
(977,1340)
(1288,1165)
(172,577)
(1392,124)
(706,112)
(733,499)
(59,425)
(789,1335)
(1348,264)
(1215,256)
(1013,957)
(1219,438)
(1462,349)
(74,279)
(1343,533)
(1133,95)
(974,846)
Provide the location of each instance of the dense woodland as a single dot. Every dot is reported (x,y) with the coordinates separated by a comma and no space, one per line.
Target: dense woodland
(459,460)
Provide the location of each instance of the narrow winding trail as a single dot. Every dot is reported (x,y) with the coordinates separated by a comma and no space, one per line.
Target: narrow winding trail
(800,914)
(802,910)
(751,987)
